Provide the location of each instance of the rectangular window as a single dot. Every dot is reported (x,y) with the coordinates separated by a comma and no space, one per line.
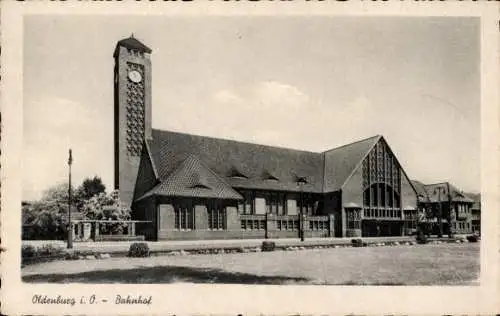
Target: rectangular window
(216,216)
(184,215)
(353,219)
(262,224)
(308,204)
(276,203)
(246,206)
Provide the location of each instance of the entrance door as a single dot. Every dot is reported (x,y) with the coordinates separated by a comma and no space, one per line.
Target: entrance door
(368,228)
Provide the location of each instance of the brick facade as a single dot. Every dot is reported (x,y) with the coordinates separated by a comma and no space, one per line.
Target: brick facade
(193,187)
(128,105)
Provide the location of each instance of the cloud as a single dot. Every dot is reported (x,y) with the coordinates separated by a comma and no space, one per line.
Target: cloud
(273,93)
(226,96)
(51,127)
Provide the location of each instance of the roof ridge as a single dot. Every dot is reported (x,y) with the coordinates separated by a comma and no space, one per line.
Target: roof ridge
(352,143)
(443,182)
(238,141)
(379,137)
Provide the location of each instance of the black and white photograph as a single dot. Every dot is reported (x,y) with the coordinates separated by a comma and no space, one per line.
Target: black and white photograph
(286,150)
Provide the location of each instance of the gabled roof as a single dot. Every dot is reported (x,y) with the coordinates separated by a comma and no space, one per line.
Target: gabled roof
(440,192)
(342,161)
(422,194)
(169,149)
(476,197)
(132,43)
(193,179)
(251,166)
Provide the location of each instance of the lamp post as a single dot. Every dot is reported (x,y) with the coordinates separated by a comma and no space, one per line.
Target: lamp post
(70,225)
(440,213)
(301,181)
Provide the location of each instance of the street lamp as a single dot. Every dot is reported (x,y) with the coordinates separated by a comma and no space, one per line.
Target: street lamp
(440,214)
(70,225)
(301,181)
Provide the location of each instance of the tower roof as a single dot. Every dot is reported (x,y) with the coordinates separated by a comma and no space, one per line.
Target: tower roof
(132,43)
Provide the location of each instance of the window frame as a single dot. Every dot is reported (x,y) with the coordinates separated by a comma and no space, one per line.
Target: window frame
(184,217)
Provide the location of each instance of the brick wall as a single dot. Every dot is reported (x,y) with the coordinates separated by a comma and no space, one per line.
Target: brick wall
(167,231)
(408,194)
(352,191)
(146,178)
(145,210)
(126,165)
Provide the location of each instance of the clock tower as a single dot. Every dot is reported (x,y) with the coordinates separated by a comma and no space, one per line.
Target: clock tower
(132,115)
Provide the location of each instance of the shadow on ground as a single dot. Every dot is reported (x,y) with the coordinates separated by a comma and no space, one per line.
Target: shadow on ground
(164,274)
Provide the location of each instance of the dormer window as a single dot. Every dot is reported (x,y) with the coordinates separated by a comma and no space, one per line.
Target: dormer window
(199,182)
(301,180)
(199,186)
(269,177)
(235,173)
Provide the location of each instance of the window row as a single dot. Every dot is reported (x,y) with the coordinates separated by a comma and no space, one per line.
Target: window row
(184,218)
(253,224)
(277,203)
(287,225)
(381,194)
(318,225)
(462,225)
(382,213)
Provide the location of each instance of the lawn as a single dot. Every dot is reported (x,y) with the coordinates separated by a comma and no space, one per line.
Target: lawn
(440,264)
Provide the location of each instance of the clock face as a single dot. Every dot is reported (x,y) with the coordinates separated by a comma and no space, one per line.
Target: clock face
(135,76)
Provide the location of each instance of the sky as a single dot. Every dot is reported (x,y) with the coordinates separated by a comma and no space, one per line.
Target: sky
(304,82)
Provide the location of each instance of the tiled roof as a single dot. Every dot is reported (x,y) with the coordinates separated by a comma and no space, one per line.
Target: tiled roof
(422,194)
(341,162)
(192,178)
(440,192)
(255,166)
(476,197)
(132,43)
(252,161)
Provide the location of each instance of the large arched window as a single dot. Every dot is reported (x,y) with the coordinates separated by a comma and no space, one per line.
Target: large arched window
(380,192)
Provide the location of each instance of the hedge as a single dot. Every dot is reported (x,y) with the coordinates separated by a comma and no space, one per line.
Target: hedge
(138,249)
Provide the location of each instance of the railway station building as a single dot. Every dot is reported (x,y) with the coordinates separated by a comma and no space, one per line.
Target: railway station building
(196,187)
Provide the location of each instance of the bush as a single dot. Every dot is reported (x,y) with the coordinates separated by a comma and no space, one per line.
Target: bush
(28,251)
(138,249)
(268,246)
(71,255)
(472,238)
(47,252)
(358,242)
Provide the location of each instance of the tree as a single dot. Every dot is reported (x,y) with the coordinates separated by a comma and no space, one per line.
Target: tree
(46,218)
(91,187)
(106,207)
(56,193)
